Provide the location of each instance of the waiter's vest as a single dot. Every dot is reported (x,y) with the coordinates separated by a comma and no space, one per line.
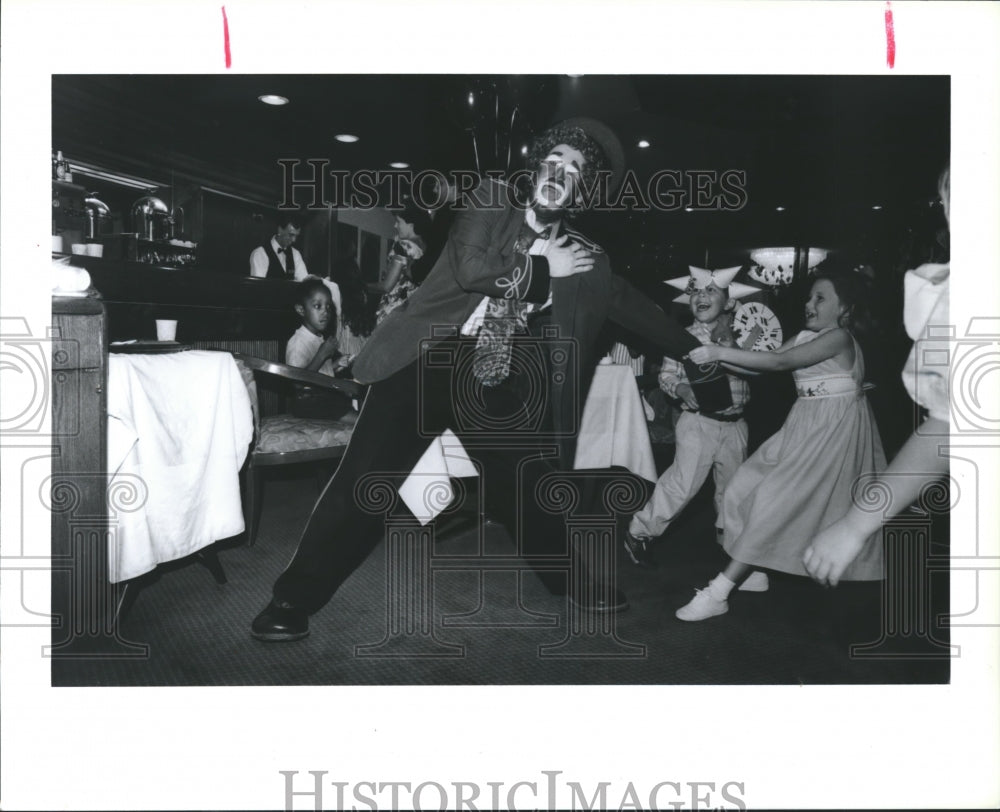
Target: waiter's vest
(274,267)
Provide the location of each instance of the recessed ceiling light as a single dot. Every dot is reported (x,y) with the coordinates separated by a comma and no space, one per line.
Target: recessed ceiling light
(270,98)
(688,208)
(779,208)
(346,138)
(399,165)
(643,144)
(876,207)
(524,149)
(472,97)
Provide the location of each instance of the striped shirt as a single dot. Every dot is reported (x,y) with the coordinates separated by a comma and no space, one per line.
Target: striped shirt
(620,354)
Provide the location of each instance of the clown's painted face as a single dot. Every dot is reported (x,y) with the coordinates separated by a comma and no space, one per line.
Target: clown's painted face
(559,178)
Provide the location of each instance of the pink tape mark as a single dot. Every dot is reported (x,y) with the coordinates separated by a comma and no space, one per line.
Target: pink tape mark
(225,33)
(890,37)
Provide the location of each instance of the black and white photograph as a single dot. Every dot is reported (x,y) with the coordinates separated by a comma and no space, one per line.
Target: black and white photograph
(407,538)
(369,393)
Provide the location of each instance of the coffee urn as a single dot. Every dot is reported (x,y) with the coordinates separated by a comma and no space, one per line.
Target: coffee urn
(151,218)
(97,217)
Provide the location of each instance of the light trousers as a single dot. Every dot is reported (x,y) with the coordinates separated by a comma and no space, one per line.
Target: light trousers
(703,445)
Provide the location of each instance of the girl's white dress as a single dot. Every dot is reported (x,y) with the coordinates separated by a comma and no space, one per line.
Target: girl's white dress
(802,478)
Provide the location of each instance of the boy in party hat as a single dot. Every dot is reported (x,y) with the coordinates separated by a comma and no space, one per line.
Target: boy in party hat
(706,440)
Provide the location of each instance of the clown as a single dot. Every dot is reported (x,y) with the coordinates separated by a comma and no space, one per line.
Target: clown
(504,261)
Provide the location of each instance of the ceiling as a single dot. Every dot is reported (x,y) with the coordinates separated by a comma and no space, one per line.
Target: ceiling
(825,148)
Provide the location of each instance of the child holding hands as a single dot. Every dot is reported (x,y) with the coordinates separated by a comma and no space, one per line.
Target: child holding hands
(801,479)
(706,440)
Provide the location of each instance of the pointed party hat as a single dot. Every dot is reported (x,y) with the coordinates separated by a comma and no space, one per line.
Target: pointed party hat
(700,278)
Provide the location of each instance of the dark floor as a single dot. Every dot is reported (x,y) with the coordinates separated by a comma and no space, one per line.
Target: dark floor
(185,629)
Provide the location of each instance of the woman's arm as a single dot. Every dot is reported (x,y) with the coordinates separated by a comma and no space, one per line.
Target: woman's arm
(805,355)
(390,275)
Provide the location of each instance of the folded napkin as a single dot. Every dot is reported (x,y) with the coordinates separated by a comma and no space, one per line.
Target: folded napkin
(427,491)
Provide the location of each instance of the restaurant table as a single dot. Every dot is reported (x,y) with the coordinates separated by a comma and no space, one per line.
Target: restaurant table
(613,432)
(613,428)
(179,429)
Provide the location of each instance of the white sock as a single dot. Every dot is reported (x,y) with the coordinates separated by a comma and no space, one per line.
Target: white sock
(720,587)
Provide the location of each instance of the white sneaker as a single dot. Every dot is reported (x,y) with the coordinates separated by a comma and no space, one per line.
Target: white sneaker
(702,606)
(756,581)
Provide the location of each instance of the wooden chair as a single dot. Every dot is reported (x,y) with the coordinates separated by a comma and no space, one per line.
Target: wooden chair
(285,439)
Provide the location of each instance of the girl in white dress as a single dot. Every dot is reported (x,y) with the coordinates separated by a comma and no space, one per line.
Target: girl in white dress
(800,480)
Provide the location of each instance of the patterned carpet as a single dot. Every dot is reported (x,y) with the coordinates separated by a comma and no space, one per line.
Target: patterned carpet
(503,626)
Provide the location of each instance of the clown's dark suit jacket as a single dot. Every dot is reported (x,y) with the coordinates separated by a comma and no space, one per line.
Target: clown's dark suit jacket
(480,260)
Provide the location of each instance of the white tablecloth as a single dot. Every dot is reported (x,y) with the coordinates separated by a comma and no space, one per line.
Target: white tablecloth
(179,428)
(613,431)
(613,428)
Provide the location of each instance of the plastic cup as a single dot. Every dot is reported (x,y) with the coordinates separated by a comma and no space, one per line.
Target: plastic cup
(95,249)
(166,330)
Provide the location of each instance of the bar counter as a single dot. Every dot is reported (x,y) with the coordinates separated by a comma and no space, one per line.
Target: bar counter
(241,313)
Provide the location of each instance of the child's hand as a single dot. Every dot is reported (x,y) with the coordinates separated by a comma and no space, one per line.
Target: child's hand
(329,347)
(686,394)
(832,552)
(705,354)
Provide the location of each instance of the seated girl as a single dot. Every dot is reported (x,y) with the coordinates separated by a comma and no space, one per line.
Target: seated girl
(314,347)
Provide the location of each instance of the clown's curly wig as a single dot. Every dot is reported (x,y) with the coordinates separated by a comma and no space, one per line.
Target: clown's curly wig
(572,137)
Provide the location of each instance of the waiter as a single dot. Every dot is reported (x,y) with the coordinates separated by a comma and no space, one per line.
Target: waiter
(278,258)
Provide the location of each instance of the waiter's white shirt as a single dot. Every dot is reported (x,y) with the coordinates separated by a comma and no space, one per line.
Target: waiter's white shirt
(259,264)
(259,261)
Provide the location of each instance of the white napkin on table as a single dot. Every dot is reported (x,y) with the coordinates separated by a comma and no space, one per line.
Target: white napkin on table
(181,423)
